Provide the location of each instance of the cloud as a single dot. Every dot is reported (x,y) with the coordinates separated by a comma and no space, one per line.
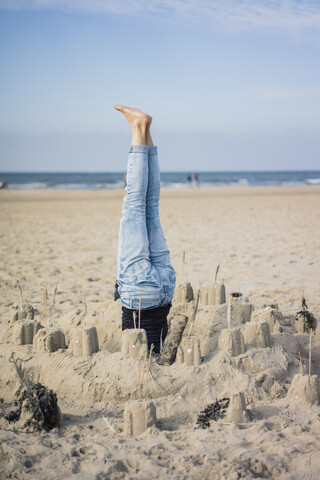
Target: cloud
(300,18)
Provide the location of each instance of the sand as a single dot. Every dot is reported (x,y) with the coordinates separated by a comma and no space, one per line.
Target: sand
(266,240)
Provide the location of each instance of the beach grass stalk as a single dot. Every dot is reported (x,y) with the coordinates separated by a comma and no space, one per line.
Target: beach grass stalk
(183,263)
(144,368)
(52,308)
(149,368)
(46,303)
(140,308)
(20,295)
(229,313)
(161,342)
(216,275)
(194,312)
(140,389)
(85,302)
(310,350)
(150,353)
(301,366)
(153,380)
(54,297)
(109,424)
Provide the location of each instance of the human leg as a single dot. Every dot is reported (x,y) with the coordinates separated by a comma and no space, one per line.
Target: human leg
(136,275)
(133,235)
(157,243)
(159,252)
(141,283)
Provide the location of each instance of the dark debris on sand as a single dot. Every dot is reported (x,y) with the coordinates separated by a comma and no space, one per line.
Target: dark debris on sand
(38,405)
(310,322)
(116,294)
(214,411)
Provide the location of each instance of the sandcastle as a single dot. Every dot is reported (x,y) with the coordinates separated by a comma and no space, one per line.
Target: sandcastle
(305,389)
(27,312)
(173,339)
(24,331)
(189,350)
(269,314)
(209,321)
(48,340)
(231,341)
(237,411)
(183,293)
(134,342)
(214,294)
(241,309)
(138,416)
(83,341)
(256,334)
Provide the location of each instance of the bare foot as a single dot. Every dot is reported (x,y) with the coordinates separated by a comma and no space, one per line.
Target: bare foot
(140,124)
(135,116)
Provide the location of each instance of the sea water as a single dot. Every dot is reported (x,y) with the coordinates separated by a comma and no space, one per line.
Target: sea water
(105,180)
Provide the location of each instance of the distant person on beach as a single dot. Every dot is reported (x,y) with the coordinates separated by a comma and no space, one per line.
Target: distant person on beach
(195,179)
(146,279)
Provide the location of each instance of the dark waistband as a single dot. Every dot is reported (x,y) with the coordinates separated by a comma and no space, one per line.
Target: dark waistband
(157,312)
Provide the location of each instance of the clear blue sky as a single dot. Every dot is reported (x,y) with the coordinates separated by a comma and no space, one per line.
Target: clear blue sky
(231,85)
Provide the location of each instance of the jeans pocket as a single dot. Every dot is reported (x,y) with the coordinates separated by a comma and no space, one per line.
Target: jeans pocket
(146,274)
(147,296)
(168,277)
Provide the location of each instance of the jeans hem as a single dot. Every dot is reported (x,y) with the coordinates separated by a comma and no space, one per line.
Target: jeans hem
(139,149)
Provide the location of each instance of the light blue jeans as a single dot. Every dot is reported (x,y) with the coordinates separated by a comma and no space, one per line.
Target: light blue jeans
(144,267)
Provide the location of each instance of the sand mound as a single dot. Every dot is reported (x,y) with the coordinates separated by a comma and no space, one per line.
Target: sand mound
(263,254)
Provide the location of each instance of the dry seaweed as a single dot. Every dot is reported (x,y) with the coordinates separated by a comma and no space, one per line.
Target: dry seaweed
(40,404)
(310,322)
(214,411)
(34,401)
(304,303)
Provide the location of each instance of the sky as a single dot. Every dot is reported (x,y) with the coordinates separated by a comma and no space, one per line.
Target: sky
(231,85)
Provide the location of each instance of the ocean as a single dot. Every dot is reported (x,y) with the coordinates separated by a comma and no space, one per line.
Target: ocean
(105,180)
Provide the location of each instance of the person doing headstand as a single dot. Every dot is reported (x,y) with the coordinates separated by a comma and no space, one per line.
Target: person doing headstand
(145,276)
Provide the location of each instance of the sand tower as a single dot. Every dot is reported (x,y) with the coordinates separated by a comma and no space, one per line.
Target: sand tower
(305,388)
(84,341)
(183,293)
(134,342)
(138,416)
(189,350)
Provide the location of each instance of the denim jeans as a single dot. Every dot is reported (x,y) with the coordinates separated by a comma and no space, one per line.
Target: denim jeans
(144,269)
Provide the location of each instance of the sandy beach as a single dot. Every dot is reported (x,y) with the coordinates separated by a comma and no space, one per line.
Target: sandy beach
(266,240)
